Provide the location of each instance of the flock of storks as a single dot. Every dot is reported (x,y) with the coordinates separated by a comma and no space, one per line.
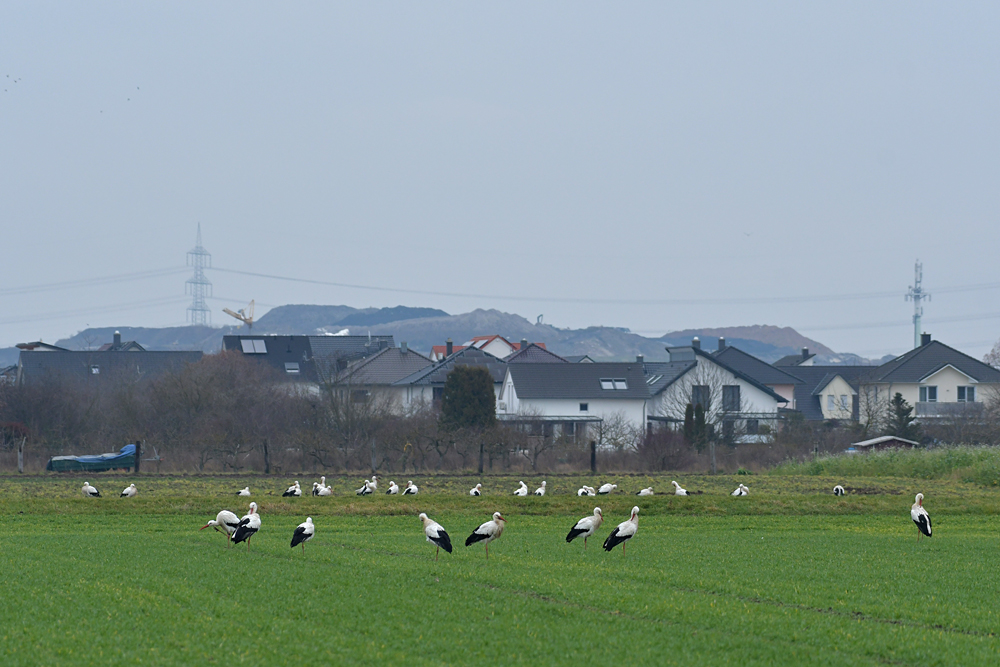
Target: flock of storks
(239,529)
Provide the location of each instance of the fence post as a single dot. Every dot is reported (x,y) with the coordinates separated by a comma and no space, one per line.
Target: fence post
(482,451)
(20,456)
(711,447)
(138,454)
(267,459)
(593,456)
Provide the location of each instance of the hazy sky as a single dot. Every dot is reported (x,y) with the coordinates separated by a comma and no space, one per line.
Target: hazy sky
(598,163)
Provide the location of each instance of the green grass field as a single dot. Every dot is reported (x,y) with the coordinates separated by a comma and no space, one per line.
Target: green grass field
(790,575)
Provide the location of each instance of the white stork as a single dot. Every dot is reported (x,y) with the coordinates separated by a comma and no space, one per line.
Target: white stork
(586,491)
(487,532)
(90,491)
(129,492)
(293,491)
(325,491)
(303,533)
(839,491)
(605,489)
(245,492)
(248,526)
(393,489)
(540,491)
(920,516)
(648,491)
(477,490)
(374,483)
(522,490)
(411,489)
(740,491)
(436,535)
(365,489)
(315,490)
(678,491)
(625,531)
(586,527)
(225,522)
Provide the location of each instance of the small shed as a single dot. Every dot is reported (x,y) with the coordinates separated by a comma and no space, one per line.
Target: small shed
(885,442)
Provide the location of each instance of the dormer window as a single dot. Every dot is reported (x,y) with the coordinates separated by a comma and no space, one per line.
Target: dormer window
(291,367)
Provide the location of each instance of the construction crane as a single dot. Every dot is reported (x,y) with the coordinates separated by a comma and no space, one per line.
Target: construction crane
(244,315)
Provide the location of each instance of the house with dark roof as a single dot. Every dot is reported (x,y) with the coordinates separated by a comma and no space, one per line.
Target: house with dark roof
(566,397)
(802,359)
(110,364)
(733,399)
(306,360)
(376,376)
(938,380)
(776,379)
(495,344)
(533,353)
(427,385)
(831,392)
(578,358)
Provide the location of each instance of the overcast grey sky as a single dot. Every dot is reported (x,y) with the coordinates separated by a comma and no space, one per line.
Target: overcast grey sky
(540,153)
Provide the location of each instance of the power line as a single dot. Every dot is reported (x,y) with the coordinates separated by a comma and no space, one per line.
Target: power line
(90,282)
(135,305)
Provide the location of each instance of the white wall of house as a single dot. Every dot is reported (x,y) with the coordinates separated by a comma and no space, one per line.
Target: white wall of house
(836,400)
(498,347)
(786,391)
(672,401)
(509,404)
(947,380)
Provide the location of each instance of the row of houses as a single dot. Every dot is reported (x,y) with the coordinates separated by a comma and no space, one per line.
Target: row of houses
(741,395)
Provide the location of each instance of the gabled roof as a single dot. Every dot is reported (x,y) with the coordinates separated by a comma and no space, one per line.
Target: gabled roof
(125,346)
(534,353)
(662,374)
(470,356)
(740,374)
(99,367)
(39,346)
(815,378)
(578,381)
(313,358)
(385,367)
(793,360)
(751,366)
(927,359)
(578,359)
(884,438)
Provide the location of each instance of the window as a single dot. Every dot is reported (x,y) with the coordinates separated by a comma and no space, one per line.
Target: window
(700,396)
(620,383)
(728,430)
(438,393)
(830,404)
(95,370)
(607,383)
(584,407)
(731,398)
(291,367)
(928,394)
(569,428)
(359,395)
(753,426)
(253,346)
(614,383)
(966,394)
(844,405)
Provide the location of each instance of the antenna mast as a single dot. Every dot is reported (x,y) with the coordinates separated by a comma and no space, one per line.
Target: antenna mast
(198,286)
(917,294)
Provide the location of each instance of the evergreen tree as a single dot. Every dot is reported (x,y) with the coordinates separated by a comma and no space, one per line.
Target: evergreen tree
(689,424)
(901,419)
(468,400)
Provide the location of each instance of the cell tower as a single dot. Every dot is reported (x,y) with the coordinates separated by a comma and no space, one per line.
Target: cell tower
(917,294)
(198,286)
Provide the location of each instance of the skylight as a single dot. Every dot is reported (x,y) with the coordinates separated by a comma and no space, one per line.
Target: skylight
(614,384)
(253,346)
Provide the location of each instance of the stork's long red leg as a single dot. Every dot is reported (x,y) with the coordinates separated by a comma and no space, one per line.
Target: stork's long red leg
(436,551)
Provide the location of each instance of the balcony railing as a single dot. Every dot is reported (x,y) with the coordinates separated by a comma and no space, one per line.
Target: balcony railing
(936,410)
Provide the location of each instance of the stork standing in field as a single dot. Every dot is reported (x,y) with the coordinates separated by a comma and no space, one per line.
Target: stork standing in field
(740,491)
(920,516)
(90,491)
(586,491)
(365,489)
(522,490)
(586,526)
(625,531)
(245,492)
(839,490)
(605,489)
(540,491)
(678,491)
(411,489)
(648,491)
(477,490)
(303,533)
(248,526)
(224,522)
(487,532)
(293,491)
(436,535)
(129,492)
(393,489)
(373,485)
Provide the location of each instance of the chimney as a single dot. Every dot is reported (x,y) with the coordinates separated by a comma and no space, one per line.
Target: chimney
(925,339)
(639,359)
(722,343)
(805,353)
(404,348)
(448,347)
(696,343)
(118,341)
(524,343)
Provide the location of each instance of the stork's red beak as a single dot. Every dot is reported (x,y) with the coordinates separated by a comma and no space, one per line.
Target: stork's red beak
(203,527)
